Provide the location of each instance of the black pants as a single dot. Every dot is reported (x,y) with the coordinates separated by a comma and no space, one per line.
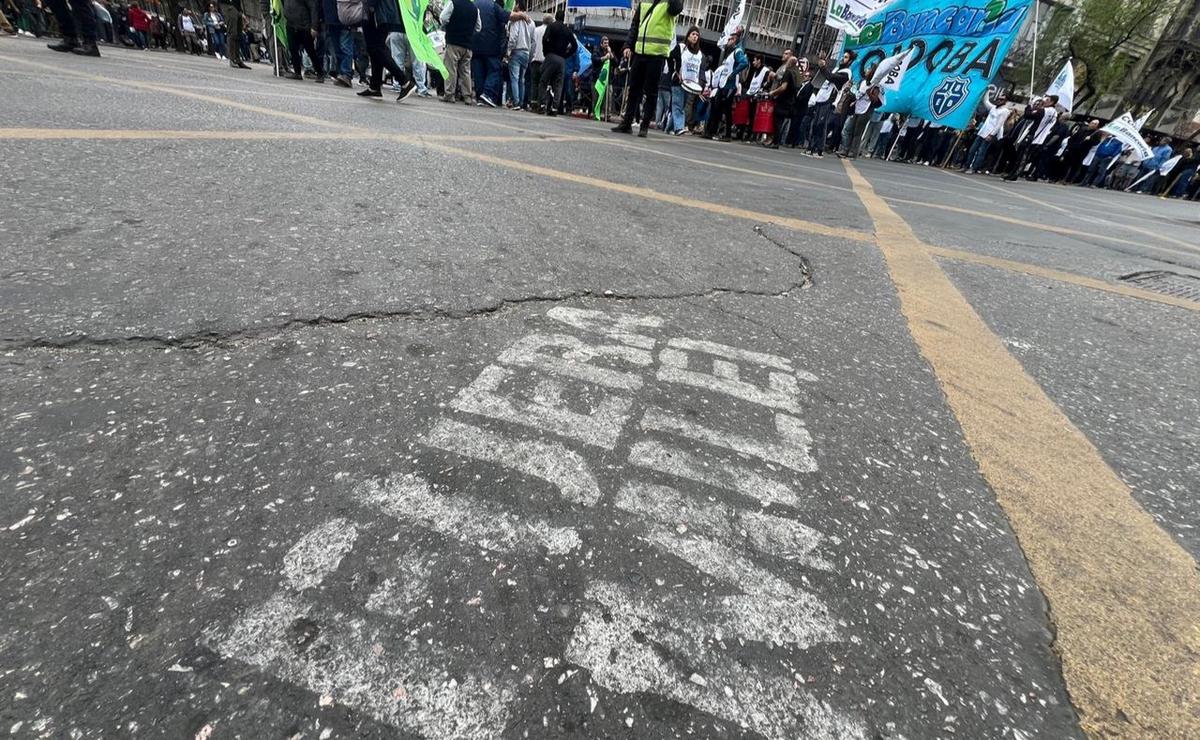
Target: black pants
(76,19)
(780,117)
(551,82)
(300,38)
(381,57)
(533,79)
(721,109)
(644,72)
(236,26)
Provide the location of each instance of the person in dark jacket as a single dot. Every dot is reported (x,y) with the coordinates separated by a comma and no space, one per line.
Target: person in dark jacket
(236,25)
(341,41)
(558,43)
(487,49)
(380,18)
(303,30)
(77,21)
(646,49)
(1079,143)
(460,20)
(1048,155)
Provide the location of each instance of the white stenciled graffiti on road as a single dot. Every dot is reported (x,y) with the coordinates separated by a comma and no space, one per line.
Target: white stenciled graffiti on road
(554,416)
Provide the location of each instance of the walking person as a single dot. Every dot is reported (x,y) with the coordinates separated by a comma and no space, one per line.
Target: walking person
(380,18)
(340,40)
(646,49)
(303,32)
(460,21)
(77,23)
(235,26)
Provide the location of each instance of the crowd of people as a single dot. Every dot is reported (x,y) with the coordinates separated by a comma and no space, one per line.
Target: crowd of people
(497,57)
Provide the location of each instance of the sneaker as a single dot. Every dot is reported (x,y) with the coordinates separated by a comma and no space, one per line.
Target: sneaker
(406,90)
(487,100)
(342,81)
(319,79)
(396,87)
(678,132)
(819,155)
(369,93)
(643,131)
(446,100)
(424,94)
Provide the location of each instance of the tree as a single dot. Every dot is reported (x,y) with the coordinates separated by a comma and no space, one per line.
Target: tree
(1098,38)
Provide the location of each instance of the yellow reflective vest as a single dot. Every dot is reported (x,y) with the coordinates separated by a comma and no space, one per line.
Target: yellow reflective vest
(656,26)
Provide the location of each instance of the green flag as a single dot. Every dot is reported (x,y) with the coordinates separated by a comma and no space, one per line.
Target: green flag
(413,12)
(279,24)
(600,88)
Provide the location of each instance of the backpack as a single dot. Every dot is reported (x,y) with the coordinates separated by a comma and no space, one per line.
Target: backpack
(350,12)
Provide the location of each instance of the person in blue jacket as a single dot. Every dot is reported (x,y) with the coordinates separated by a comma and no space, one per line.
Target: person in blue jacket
(488,49)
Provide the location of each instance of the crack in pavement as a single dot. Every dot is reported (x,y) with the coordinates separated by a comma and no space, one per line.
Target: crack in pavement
(222,338)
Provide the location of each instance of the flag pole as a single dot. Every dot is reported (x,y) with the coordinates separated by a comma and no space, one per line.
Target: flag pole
(1037,6)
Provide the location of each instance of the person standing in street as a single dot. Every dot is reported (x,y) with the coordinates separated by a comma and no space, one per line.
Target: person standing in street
(520,44)
(558,44)
(646,49)
(787,83)
(827,84)
(1108,150)
(989,132)
(533,98)
(488,49)
(1041,117)
(341,42)
(303,32)
(77,22)
(235,25)
(723,86)
(460,22)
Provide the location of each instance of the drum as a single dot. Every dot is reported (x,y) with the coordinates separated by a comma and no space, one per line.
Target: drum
(741,112)
(764,117)
(692,87)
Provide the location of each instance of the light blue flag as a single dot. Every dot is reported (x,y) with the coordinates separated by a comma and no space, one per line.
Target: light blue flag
(959,49)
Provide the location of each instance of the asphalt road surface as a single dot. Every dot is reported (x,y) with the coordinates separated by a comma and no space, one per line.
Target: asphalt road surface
(323,417)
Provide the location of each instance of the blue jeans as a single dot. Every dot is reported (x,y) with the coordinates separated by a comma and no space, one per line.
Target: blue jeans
(518,62)
(978,153)
(341,42)
(662,113)
(485,70)
(218,42)
(402,53)
(678,98)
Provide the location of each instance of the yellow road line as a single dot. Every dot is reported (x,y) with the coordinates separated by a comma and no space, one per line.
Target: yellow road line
(1124,597)
(1083,281)
(795,224)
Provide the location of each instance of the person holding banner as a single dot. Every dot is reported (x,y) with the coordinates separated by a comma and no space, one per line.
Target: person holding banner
(991,130)
(827,83)
(723,87)
(646,49)
(867,98)
(1108,150)
(1149,175)
(1042,116)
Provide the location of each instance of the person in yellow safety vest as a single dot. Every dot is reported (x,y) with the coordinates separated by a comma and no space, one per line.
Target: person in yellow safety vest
(647,47)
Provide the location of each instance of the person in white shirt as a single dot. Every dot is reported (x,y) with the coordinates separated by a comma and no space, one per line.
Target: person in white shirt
(867,98)
(990,131)
(1043,114)
(536,58)
(827,83)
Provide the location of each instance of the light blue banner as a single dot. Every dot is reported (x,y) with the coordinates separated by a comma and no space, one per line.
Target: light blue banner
(959,49)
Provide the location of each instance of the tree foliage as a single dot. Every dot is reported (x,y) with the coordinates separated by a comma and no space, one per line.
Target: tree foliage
(1096,37)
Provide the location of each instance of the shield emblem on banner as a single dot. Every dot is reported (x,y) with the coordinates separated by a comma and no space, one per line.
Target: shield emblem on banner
(948,96)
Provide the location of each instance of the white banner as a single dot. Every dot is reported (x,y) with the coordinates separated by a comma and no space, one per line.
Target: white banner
(731,25)
(852,15)
(1169,165)
(1064,87)
(1126,131)
(890,71)
(1141,122)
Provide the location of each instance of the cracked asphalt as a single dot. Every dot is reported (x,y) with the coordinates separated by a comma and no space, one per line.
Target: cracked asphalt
(457,423)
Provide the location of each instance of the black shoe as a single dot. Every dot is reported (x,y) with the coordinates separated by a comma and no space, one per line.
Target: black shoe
(622,128)
(369,93)
(64,46)
(554,113)
(320,79)
(643,131)
(342,81)
(406,90)
(86,50)
(293,76)
(239,65)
